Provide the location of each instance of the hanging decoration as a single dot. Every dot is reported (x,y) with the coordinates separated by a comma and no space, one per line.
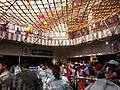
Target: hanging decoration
(36,24)
(41,17)
(46,25)
(77,2)
(91,58)
(27,3)
(66,6)
(63,4)
(51,13)
(29,29)
(75,10)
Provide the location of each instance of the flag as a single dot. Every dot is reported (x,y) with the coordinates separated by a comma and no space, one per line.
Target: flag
(36,24)
(41,16)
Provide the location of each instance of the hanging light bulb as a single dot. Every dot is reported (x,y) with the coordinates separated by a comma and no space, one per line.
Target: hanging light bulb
(91,58)
(106,43)
(29,29)
(46,25)
(94,25)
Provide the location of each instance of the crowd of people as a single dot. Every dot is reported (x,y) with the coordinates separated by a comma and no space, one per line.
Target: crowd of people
(86,72)
(61,76)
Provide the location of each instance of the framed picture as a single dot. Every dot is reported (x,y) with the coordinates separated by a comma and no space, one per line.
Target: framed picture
(26,51)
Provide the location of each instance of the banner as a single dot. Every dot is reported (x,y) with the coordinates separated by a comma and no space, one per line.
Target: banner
(42,52)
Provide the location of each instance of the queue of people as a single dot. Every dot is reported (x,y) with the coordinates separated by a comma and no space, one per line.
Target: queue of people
(67,76)
(45,78)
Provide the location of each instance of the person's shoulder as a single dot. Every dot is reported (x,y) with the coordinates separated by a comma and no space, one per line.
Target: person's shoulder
(27,74)
(9,73)
(64,78)
(5,74)
(85,68)
(49,80)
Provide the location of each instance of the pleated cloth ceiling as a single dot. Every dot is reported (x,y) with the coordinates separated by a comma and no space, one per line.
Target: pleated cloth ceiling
(57,15)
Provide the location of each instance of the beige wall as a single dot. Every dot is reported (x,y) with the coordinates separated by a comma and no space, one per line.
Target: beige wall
(84,49)
(10,49)
(59,53)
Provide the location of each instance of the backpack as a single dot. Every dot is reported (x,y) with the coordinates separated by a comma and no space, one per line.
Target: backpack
(25,82)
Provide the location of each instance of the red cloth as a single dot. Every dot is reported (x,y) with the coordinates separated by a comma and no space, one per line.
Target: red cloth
(81,85)
(98,67)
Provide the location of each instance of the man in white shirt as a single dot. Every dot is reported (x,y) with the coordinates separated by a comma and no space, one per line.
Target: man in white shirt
(49,73)
(42,74)
(57,82)
(17,69)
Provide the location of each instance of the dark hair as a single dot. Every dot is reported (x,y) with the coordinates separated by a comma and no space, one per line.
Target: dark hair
(47,64)
(2,62)
(1,58)
(59,63)
(56,67)
(56,71)
(95,63)
(25,64)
